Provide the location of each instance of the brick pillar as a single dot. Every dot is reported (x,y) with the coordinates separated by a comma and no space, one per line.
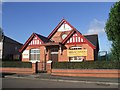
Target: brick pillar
(49,67)
(34,68)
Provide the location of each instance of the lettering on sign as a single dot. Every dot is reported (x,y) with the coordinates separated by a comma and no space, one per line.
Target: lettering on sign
(77,53)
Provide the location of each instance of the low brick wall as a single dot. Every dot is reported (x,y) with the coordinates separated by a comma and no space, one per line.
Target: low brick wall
(105,73)
(17,70)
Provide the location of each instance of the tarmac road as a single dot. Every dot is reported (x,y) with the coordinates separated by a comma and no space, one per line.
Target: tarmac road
(37,83)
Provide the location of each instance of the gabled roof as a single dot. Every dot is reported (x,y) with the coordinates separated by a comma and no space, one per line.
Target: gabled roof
(43,39)
(9,40)
(55,30)
(72,32)
(93,38)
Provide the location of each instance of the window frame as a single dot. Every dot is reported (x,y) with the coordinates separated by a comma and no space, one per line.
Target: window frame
(35,53)
(72,59)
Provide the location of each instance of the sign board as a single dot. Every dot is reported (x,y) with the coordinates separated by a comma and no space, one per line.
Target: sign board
(25,54)
(72,53)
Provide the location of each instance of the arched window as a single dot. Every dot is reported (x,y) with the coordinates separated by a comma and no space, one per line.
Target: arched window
(35,54)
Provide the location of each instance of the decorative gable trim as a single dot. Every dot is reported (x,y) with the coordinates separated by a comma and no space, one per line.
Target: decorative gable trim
(64,27)
(30,41)
(77,34)
(75,39)
(35,41)
(68,36)
(58,26)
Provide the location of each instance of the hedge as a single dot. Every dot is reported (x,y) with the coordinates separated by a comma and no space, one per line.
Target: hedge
(16,64)
(86,65)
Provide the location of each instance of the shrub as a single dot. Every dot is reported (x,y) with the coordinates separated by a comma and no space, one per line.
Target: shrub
(86,65)
(11,60)
(16,64)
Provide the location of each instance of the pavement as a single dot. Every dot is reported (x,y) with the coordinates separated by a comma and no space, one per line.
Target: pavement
(45,76)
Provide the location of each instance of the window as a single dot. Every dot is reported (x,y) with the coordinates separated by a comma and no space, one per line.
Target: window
(76,58)
(75,48)
(64,36)
(35,54)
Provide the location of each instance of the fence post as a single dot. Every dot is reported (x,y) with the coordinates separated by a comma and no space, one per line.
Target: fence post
(34,68)
(49,67)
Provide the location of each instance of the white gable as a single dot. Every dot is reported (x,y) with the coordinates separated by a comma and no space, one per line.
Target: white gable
(64,27)
(75,39)
(35,41)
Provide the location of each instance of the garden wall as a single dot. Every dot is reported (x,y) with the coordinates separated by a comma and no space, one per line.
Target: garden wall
(103,73)
(17,70)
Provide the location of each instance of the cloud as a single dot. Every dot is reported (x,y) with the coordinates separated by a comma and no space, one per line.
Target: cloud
(96,27)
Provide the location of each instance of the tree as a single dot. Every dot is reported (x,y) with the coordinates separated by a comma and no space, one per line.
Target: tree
(112,30)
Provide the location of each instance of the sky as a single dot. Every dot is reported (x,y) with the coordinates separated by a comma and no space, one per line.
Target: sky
(21,19)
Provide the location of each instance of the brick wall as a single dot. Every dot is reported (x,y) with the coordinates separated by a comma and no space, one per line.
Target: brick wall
(42,53)
(17,70)
(111,73)
(57,36)
(65,58)
(90,52)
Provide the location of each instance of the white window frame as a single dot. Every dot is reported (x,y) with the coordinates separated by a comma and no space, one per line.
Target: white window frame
(74,60)
(37,60)
(76,48)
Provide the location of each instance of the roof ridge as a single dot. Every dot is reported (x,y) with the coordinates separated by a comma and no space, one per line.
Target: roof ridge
(40,35)
(12,39)
(43,38)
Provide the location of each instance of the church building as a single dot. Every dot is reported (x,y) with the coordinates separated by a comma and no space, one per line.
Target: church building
(64,44)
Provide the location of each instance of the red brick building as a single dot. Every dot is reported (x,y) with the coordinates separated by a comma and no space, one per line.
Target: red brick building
(64,44)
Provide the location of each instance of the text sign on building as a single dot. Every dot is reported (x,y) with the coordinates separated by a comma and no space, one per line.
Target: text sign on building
(72,53)
(25,54)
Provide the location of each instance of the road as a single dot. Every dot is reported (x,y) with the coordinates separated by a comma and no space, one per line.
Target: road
(36,83)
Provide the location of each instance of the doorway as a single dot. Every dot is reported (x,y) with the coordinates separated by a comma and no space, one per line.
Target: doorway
(54,54)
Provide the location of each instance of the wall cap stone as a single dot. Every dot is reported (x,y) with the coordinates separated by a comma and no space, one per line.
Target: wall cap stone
(34,61)
(50,61)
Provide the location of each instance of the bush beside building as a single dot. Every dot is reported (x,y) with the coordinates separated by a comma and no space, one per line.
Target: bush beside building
(86,65)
